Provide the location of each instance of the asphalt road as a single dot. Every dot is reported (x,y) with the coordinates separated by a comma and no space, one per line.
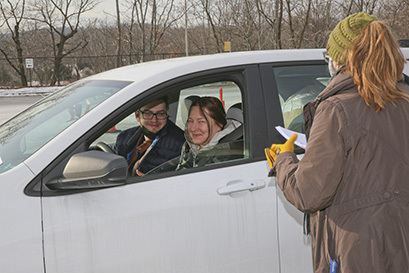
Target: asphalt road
(10,106)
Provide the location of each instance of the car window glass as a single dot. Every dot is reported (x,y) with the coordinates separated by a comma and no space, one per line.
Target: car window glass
(222,152)
(230,95)
(109,137)
(30,130)
(228,92)
(231,147)
(297,85)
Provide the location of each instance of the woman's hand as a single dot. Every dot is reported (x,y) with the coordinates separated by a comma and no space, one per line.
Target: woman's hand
(276,149)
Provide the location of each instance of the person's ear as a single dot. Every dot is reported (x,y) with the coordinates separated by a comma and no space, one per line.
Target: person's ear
(137,116)
(219,126)
(336,65)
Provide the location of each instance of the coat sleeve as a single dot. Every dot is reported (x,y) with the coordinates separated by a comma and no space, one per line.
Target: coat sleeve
(311,183)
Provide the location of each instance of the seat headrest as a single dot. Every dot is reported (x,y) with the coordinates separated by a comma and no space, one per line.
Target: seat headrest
(189,100)
(235,112)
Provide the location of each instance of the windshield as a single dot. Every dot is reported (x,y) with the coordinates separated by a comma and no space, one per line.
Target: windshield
(27,132)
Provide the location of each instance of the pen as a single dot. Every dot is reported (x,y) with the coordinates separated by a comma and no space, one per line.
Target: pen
(333,266)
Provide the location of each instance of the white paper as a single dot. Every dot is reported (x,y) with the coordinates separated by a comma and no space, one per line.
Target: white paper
(301,140)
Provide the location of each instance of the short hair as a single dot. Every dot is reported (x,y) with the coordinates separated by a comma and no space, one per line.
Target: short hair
(165,99)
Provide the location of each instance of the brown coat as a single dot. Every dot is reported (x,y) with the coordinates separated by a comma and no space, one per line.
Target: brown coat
(354,180)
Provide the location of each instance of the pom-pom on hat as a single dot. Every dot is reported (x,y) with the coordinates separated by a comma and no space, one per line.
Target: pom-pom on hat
(345,32)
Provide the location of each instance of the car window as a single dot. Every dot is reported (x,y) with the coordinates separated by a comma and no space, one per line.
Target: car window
(231,146)
(30,130)
(222,152)
(297,85)
(109,137)
(228,92)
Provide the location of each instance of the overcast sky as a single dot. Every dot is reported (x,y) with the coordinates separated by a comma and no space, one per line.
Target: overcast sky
(109,7)
(102,9)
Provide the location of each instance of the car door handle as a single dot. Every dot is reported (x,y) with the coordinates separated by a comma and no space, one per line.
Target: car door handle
(239,185)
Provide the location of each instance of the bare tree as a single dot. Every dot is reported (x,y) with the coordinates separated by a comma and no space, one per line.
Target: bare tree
(208,9)
(304,24)
(102,42)
(131,34)
(233,20)
(395,13)
(290,21)
(321,23)
(62,18)
(298,13)
(245,24)
(147,27)
(273,16)
(13,15)
(353,6)
(154,18)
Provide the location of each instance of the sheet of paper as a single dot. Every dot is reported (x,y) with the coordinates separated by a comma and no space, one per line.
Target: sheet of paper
(301,140)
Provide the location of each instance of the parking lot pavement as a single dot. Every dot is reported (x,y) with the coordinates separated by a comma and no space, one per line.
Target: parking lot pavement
(10,106)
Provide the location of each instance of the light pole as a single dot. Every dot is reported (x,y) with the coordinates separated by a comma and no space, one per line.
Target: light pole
(186,45)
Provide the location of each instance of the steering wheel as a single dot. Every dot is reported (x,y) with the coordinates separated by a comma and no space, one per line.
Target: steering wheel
(104,147)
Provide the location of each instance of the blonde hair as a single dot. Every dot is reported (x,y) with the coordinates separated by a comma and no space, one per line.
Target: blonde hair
(376,64)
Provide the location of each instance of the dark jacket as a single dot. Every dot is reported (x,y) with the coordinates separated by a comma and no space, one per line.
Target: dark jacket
(353,179)
(169,145)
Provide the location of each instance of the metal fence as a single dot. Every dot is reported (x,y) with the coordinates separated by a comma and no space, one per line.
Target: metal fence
(39,69)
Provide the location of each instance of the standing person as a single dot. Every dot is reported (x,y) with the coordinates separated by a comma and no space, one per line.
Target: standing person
(154,142)
(353,178)
(205,128)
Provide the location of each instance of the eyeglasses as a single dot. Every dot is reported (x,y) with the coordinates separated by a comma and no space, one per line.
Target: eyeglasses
(148,115)
(327,58)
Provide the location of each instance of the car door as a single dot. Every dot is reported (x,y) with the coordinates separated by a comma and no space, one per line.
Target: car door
(216,218)
(288,86)
(21,236)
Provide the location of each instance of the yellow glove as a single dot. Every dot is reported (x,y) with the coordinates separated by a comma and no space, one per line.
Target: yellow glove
(276,149)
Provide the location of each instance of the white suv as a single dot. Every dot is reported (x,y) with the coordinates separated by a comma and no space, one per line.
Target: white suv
(67,205)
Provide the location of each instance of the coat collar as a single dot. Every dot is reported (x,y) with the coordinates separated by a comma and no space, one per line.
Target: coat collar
(342,81)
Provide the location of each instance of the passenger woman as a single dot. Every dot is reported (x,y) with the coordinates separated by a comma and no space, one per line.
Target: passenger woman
(205,128)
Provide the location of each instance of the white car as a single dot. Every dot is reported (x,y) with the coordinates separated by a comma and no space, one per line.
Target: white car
(67,205)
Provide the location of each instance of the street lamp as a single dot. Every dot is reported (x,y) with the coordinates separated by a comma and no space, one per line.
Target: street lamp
(186,45)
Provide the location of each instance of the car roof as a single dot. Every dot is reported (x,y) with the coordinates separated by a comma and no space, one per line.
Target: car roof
(171,68)
(185,65)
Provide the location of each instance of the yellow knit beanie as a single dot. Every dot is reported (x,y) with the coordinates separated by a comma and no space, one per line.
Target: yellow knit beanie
(345,32)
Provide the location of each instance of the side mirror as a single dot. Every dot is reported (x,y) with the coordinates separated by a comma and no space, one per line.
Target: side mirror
(91,170)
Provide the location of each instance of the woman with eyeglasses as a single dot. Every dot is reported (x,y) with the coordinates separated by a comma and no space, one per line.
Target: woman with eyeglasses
(353,178)
(154,142)
(205,128)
